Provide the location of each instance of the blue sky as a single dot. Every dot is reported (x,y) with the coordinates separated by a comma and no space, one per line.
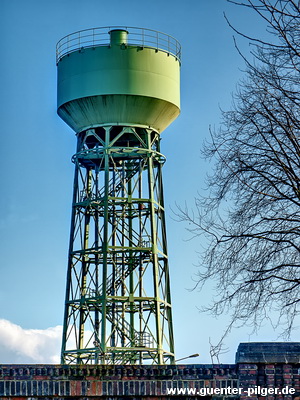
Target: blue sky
(36,173)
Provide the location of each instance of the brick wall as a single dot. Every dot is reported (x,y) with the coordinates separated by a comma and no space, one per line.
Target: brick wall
(259,367)
(111,382)
(270,367)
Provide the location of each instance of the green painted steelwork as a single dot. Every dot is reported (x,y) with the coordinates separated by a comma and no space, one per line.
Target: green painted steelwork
(118,302)
(101,37)
(118,84)
(118,306)
(118,37)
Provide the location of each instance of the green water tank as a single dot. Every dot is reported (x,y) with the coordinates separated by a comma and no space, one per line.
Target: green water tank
(118,76)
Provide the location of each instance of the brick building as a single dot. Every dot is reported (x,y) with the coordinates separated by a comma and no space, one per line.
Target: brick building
(262,371)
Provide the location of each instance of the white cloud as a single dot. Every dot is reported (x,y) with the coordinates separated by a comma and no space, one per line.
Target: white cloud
(18,345)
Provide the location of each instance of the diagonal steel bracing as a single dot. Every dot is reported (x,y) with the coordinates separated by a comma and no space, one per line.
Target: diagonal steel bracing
(118,306)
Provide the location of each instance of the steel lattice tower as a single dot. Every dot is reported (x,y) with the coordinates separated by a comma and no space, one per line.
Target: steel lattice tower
(118,95)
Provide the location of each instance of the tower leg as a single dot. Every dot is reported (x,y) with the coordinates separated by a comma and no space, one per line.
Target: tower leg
(118,305)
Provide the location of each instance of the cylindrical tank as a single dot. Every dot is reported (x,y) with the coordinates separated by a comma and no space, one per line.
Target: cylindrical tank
(118,76)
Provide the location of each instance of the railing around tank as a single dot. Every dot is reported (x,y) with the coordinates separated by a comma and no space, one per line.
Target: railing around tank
(100,37)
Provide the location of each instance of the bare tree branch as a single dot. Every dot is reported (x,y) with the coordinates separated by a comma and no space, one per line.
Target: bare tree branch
(251,217)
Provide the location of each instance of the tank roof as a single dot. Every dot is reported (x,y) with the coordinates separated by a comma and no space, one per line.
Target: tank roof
(95,37)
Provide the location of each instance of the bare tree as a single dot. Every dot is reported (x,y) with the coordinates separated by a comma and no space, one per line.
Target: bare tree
(252,215)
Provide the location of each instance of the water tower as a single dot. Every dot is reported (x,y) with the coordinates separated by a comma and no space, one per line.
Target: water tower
(118,89)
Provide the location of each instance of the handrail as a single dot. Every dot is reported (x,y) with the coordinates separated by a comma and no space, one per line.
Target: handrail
(95,37)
